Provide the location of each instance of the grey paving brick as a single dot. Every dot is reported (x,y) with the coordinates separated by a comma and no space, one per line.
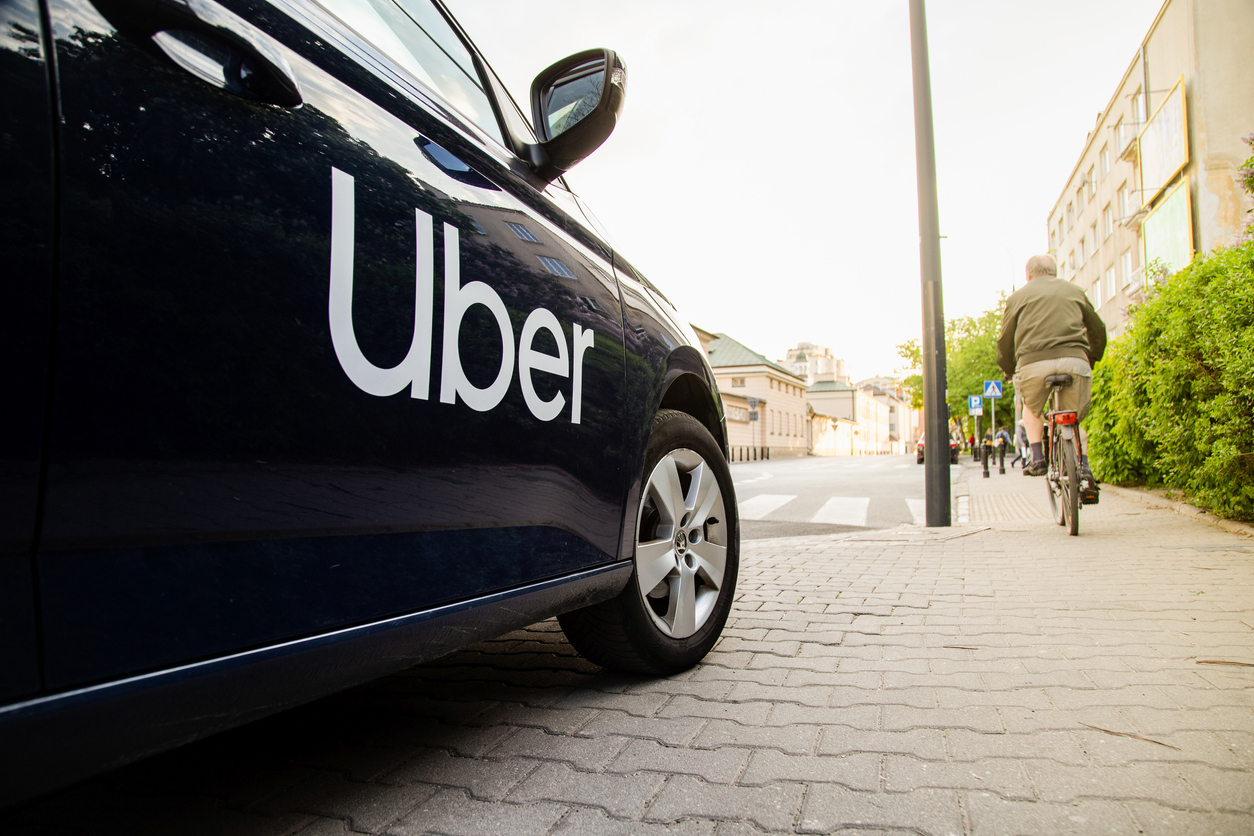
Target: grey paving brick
(553,720)
(855,716)
(928,744)
(832,809)
(799,740)
(675,731)
(592,822)
(467,741)
(903,773)
(1058,746)
(773,809)
(974,718)
(1159,820)
(719,766)
(769,766)
(991,815)
(484,778)
(586,753)
(748,713)
(621,796)
(452,813)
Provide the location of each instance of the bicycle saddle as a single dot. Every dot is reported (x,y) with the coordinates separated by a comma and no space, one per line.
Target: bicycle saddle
(1058,380)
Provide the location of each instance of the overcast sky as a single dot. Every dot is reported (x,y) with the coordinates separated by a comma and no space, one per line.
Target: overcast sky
(763,172)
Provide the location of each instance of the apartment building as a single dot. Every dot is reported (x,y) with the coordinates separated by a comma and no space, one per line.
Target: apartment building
(1157,180)
(809,360)
(773,398)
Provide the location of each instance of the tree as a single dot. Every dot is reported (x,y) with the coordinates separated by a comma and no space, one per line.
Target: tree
(912,372)
(971,349)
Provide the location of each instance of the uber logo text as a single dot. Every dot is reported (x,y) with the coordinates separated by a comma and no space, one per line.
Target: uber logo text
(415,370)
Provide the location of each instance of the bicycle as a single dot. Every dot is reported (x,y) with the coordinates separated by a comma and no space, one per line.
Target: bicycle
(1063,454)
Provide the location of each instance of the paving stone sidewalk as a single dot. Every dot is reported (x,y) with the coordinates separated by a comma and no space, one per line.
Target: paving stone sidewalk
(998,677)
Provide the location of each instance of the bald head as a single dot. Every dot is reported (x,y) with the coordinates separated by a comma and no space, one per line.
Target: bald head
(1041,265)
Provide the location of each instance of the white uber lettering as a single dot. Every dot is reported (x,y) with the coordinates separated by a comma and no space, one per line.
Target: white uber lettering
(581,341)
(415,369)
(457,300)
(529,359)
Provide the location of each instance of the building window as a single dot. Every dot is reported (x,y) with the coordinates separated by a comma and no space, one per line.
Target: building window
(1079,200)
(1108,222)
(1110,282)
(1136,108)
(738,382)
(1121,201)
(1060,232)
(1094,241)
(1053,240)
(523,233)
(477,227)
(1071,262)
(556,267)
(1103,161)
(1070,216)
(1120,139)
(1125,267)
(1081,253)
(1096,293)
(1091,182)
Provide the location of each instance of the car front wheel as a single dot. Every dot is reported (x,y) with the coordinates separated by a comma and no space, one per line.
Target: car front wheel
(685,560)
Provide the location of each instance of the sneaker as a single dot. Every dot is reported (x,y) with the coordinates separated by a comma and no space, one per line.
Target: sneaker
(1090,494)
(1035,469)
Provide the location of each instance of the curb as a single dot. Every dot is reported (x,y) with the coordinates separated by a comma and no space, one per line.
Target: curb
(1184,509)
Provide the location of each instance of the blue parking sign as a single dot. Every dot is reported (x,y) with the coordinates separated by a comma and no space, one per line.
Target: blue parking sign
(974,401)
(992,388)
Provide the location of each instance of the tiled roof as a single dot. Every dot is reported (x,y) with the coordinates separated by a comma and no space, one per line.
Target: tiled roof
(725,351)
(830,386)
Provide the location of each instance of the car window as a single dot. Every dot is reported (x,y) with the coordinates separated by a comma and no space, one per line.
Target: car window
(416,36)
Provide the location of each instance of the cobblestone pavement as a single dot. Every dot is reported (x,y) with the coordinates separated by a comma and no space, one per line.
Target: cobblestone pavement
(998,677)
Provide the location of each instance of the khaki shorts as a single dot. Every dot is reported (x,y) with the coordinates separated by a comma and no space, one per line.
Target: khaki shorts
(1030,385)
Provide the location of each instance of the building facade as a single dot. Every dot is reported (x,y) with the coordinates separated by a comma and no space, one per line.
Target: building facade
(1157,180)
(775,394)
(830,396)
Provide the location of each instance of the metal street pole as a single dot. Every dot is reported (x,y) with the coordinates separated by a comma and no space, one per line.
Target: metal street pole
(935,419)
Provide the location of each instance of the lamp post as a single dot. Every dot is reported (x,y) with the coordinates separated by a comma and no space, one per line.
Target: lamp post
(935,420)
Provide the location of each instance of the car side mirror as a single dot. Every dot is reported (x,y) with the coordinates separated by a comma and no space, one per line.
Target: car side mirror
(575,104)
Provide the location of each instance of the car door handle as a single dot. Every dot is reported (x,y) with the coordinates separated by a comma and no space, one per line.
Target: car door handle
(211,43)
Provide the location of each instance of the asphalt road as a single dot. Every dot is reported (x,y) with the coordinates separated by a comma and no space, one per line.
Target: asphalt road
(820,495)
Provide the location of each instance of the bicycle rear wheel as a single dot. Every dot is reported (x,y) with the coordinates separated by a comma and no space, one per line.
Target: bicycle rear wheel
(1054,477)
(1070,486)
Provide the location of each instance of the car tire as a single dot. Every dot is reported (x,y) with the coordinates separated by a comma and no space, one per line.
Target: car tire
(919,459)
(685,523)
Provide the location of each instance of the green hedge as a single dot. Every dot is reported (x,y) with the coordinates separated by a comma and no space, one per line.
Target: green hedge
(1173,399)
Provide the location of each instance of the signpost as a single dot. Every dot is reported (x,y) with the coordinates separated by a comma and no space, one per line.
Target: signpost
(992,391)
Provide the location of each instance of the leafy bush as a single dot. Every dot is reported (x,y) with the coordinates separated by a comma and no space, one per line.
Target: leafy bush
(1174,397)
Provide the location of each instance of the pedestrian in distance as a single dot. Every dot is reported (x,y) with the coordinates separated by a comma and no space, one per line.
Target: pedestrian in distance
(1050,327)
(1021,445)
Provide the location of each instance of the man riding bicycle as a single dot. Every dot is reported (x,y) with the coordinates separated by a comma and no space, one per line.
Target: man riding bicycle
(1050,327)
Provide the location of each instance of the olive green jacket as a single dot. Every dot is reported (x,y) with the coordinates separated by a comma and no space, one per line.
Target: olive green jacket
(1046,319)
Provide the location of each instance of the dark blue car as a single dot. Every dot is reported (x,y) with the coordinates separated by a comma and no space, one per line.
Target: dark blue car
(316,369)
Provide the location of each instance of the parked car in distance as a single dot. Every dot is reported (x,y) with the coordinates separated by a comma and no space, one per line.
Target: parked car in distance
(953,450)
(317,369)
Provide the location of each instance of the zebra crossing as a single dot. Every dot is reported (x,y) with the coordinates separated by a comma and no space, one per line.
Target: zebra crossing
(836,510)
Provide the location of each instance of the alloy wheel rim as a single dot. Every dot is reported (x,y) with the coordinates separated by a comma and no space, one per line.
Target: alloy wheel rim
(681,543)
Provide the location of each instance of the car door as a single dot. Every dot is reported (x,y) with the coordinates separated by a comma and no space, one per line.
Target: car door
(325,354)
(26,236)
